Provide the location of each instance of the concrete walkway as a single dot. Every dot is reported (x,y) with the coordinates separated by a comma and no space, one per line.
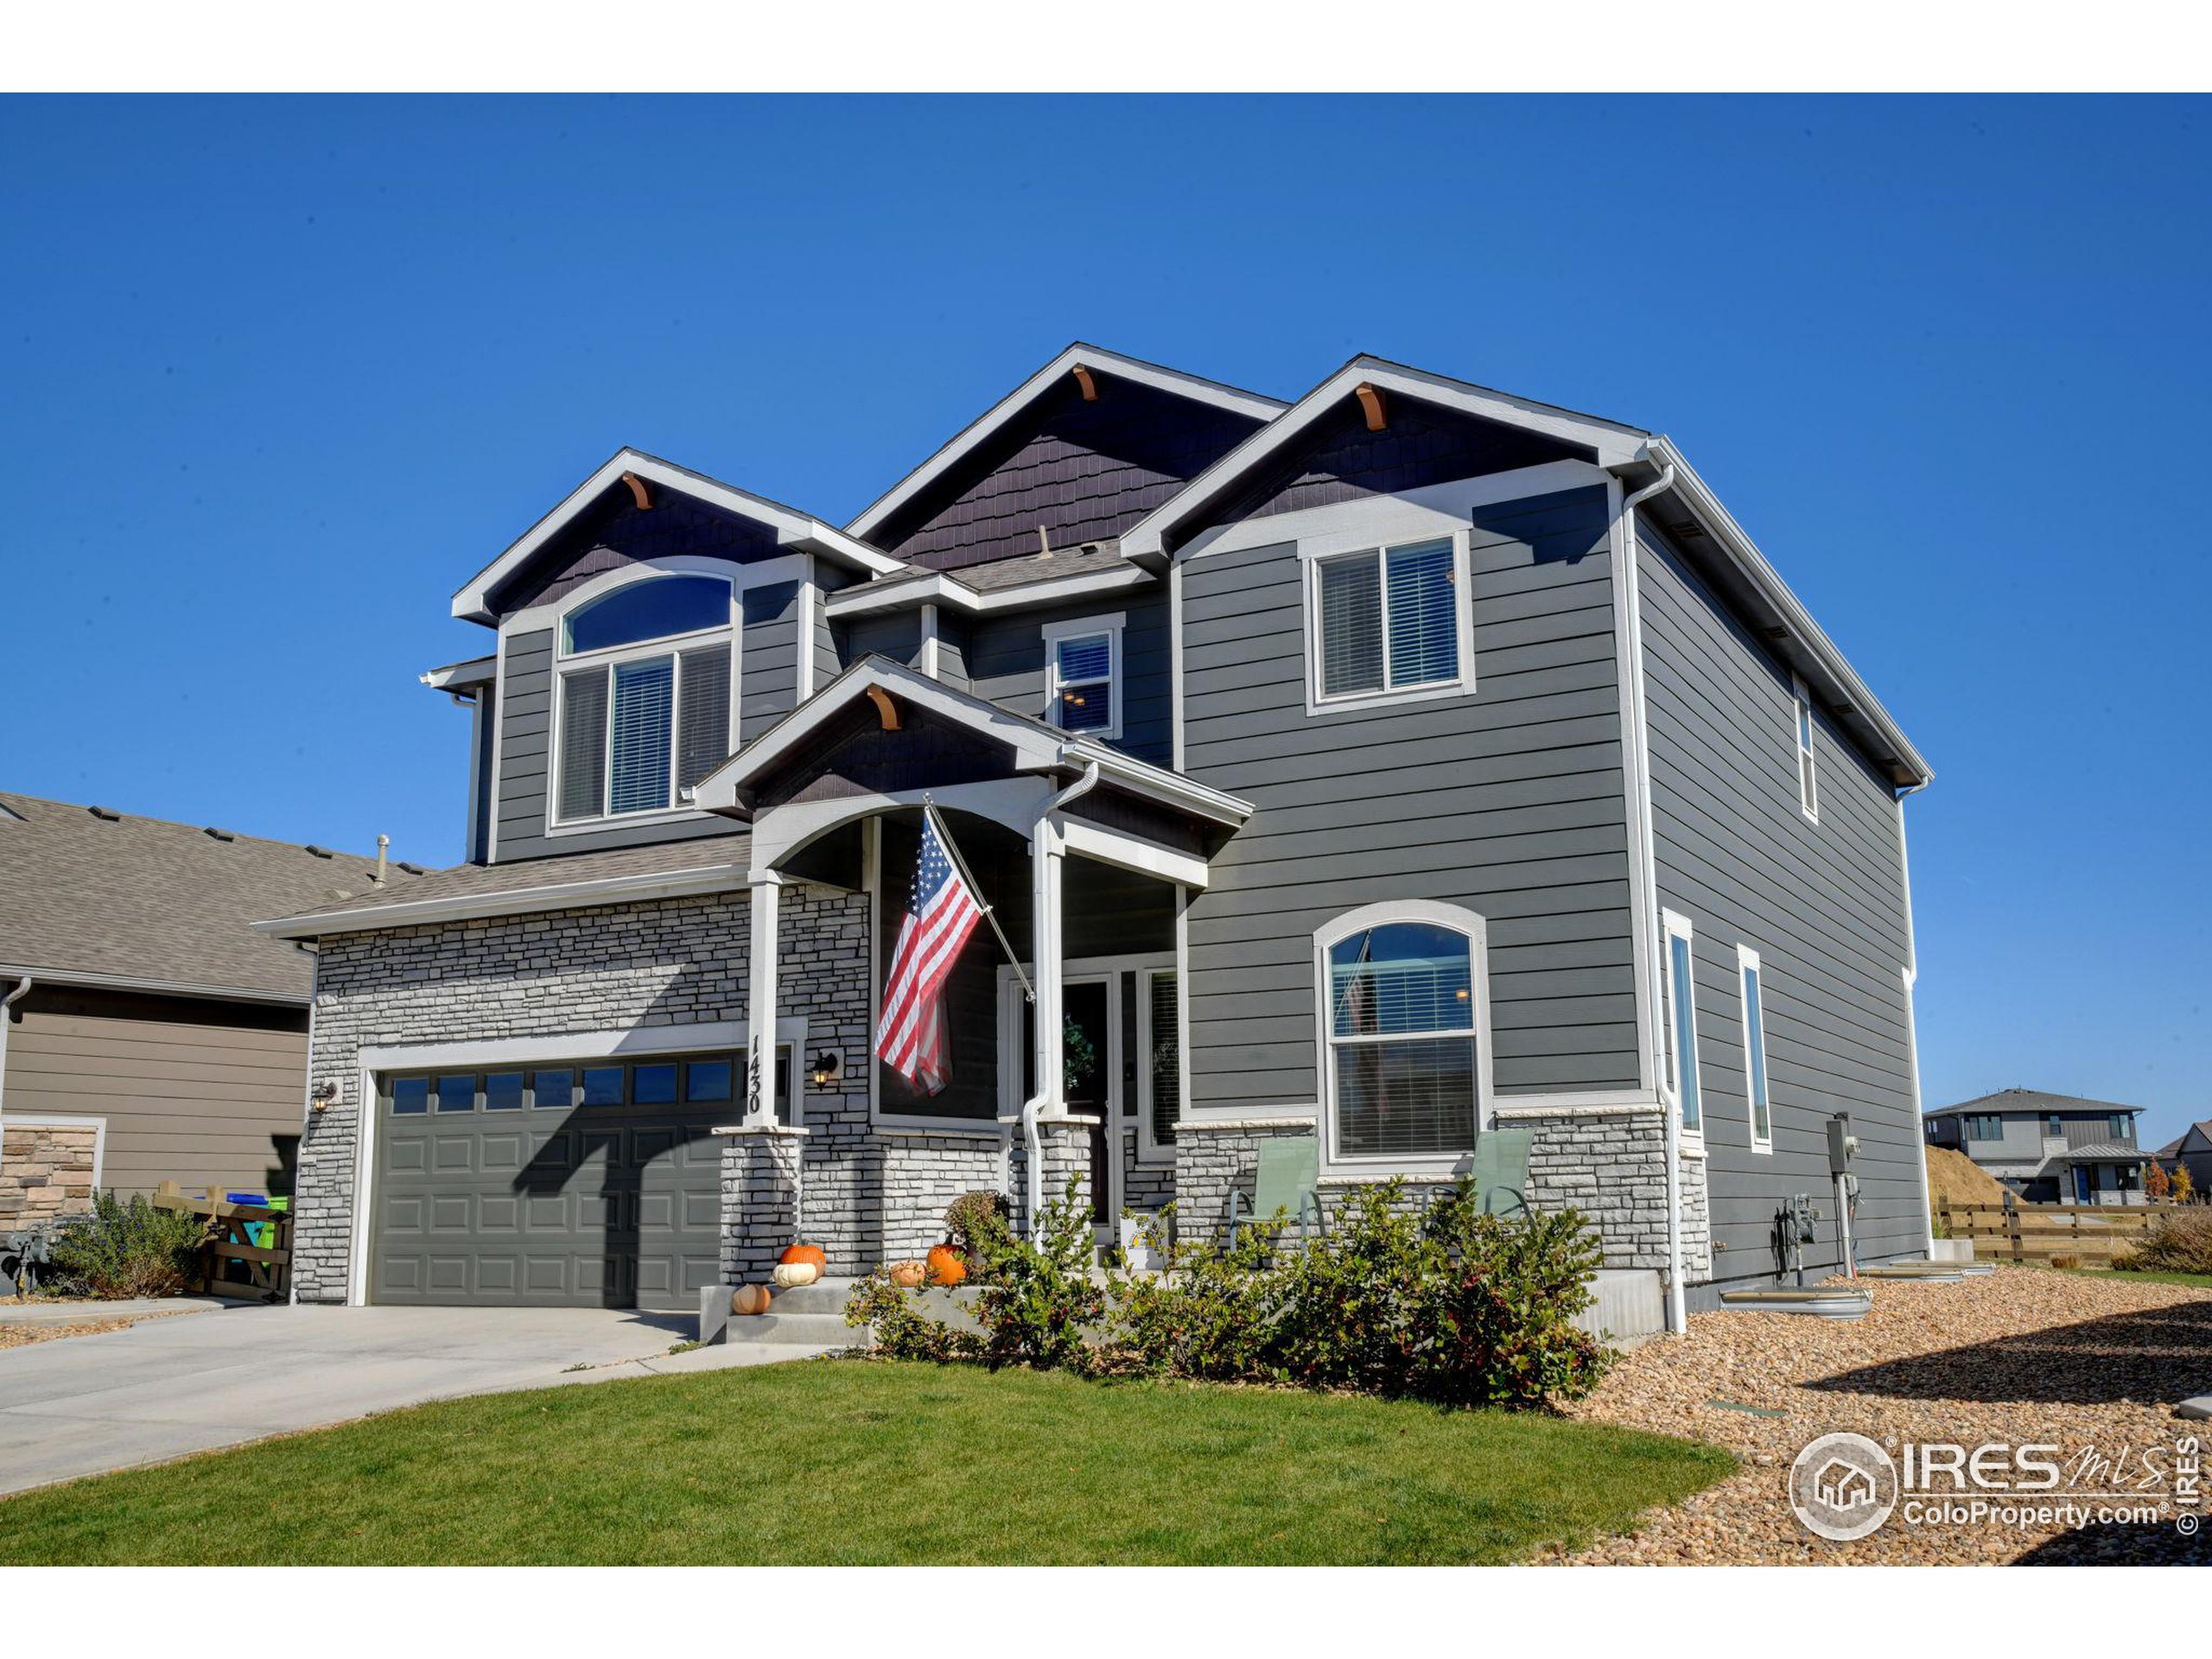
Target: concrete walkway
(143,1308)
(170,1387)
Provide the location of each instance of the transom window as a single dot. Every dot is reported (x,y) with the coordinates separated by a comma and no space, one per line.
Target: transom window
(644,709)
(1082,690)
(1404,1036)
(1388,620)
(1679,977)
(709,1079)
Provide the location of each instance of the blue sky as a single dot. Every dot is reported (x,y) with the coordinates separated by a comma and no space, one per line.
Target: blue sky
(279,375)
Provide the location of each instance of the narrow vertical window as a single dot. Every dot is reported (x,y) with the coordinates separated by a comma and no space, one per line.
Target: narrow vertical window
(1161,1029)
(1808,782)
(1681,1025)
(1755,1088)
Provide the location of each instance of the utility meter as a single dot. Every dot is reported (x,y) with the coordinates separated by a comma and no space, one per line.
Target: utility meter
(1842,1144)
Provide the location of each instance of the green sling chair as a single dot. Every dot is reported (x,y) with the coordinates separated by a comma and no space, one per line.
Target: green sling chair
(1288,1184)
(1499,1171)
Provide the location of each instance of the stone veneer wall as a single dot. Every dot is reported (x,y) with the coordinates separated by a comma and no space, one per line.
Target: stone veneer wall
(1066,1145)
(923,1174)
(1211,1160)
(46,1171)
(668,963)
(1145,1187)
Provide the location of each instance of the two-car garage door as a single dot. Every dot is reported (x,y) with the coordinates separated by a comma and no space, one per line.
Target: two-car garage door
(589,1185)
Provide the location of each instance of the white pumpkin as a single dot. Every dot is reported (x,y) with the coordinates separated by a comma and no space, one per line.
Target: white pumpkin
(790,1275)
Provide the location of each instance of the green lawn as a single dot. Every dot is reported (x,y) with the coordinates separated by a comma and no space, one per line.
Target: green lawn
(853,1462)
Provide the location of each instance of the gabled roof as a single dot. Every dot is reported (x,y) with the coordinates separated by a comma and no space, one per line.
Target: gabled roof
(92,897)
(1035,747)
(793,528)
(2200,1132)
(1010,408)
(1002,585)
(1608,442)
(2031,1100)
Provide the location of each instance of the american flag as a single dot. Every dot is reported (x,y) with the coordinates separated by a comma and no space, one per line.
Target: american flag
(940,916)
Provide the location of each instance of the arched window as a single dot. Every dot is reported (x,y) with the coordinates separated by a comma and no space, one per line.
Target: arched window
(1405,1030)
(644,710)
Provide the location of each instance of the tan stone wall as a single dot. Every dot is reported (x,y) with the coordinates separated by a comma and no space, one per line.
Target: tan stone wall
(46,1171)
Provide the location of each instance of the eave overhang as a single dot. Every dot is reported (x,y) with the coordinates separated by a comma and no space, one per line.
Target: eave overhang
(945,589)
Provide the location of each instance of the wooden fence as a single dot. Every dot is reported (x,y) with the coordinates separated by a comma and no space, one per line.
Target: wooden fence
(248,1252)
(2088,1235)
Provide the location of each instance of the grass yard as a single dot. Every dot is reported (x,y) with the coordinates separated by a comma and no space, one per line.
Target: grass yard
(843,1461)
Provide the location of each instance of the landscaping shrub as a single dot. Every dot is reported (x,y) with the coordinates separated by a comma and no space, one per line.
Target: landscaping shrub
(974,1219)
(123,1249)
(2180,1240)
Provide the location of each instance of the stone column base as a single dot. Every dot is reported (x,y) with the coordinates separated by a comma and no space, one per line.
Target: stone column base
(761,1173)
(1066,1144)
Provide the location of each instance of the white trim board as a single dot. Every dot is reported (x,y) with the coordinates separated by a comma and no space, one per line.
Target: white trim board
(945,587)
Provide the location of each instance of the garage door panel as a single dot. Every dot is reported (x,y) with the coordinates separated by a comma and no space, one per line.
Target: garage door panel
(406,1156)
(498,1276)
(497,1213)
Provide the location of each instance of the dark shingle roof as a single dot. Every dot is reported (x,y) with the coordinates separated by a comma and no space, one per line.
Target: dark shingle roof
(122,896)
(479,880)
(1001,575)
(2032,1100)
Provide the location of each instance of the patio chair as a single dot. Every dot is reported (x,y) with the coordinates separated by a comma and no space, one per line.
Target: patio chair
(1499,1171)
(1288,1184)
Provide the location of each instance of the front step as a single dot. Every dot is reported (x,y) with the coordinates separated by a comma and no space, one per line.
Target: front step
(811,1316)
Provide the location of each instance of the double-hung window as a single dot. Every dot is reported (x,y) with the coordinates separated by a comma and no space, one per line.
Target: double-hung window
(1808,780)
(1680,978)
(1388,621)
(1082,676)
(1403,1031)
(644,711)
(1755,1089)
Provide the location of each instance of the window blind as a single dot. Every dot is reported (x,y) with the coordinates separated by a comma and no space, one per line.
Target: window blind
(645,695)
(1085,674)
(702,713)
(583,744)
(1406,1098)
(1166,1059)
(1424,614)
(1351,625)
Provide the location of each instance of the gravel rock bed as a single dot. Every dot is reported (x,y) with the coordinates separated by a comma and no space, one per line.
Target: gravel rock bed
(2026,1354)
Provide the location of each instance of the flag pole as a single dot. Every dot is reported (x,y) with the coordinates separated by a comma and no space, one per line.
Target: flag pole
(990,915)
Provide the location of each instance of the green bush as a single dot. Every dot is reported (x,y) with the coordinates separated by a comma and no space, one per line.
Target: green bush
(974,1219)
(1038,1298)
(2179,1241)
(124,1250)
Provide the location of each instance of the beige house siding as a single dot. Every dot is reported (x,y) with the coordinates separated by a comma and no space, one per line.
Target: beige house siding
(197,1093)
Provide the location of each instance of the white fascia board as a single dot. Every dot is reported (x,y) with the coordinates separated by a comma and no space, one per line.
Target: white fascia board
(152,986)
(794,529)
(1250,404)
(517,901)
(1172,788)
(1613,443)
(942,588)
(1766,581)
(462,676)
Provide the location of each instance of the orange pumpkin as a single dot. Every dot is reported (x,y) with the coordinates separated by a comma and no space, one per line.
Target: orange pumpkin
(812,1253)
(945,1266)
(907,1275)
(749,1298)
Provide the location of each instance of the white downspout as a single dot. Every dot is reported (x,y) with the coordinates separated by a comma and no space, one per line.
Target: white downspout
(23,990)
(1039,937)
(1678,1319)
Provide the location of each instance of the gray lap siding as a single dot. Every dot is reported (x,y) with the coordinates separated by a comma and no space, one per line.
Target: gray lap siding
(1004,661)
(1509,802)
(1822,903)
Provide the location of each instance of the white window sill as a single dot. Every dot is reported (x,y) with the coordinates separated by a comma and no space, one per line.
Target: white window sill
(1364,702)
(624,820)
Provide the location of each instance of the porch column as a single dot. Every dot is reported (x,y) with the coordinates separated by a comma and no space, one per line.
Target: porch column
(1047,854)
(761,1001)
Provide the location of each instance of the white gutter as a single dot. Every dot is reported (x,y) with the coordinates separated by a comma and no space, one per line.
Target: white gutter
(1039,936)
(153,987)
(1671,1112)
(23,990)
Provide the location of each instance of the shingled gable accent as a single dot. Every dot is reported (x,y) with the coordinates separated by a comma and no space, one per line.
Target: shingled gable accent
(1047,456)
(855,755)
(689,512)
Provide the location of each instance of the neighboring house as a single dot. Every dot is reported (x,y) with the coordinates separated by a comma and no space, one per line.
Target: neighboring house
(2047,1148)
(150,1033)
(2192,1150)
(1402,761)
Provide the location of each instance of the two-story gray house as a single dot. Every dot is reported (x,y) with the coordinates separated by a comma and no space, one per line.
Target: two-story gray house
(1382,767)
(2048,1149)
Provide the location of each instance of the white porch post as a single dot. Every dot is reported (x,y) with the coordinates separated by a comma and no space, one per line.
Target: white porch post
(1047,856)
(761,999)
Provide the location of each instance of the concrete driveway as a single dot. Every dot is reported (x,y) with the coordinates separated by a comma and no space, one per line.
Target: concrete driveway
(84,1405)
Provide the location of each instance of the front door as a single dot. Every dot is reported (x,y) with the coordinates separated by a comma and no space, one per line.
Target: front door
(2085,1183)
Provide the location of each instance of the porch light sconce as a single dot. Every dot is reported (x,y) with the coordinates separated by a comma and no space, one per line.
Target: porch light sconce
(1089,386)
(640,491)
(825,1068)
(1370,401)
(325,1093)
(886,710)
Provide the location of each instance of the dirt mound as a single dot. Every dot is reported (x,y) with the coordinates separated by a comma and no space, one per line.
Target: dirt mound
(1953,1178)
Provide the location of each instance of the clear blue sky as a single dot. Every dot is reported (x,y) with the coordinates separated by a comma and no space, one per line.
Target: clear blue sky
(278,376)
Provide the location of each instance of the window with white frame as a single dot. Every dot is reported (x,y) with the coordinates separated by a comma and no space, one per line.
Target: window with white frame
(1160,1075)
(1808,781)
(1082,676)
(1388,621)
(1404,1031)
(1678,977)
(644,706)
(1755,1088)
